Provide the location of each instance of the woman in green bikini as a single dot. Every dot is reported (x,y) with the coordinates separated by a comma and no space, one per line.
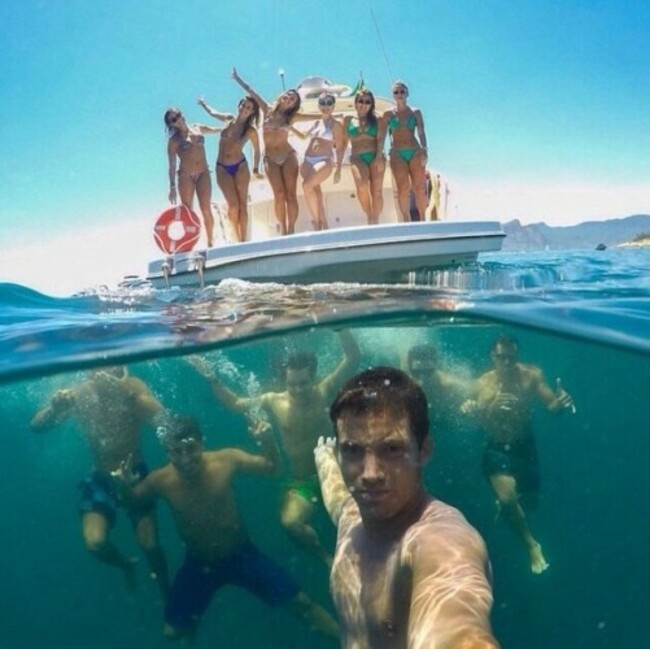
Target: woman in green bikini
(366,133)
(408,153)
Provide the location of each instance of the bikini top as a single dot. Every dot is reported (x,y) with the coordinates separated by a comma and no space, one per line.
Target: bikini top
(192,140)
(353,130)
(271,124)
(323,131)
(395,122)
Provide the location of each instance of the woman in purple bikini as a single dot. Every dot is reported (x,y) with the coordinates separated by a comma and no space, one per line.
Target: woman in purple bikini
(233,175)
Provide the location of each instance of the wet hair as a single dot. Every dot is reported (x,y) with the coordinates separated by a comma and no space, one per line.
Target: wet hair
(302,361)
(383,389)
(178,428)
(169,113)
(293,110)
(372,118)
(506,341)
(425,352)
(254,117)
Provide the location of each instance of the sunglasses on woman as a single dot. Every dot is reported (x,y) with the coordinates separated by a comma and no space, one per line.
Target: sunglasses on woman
(365,102)
(328,101)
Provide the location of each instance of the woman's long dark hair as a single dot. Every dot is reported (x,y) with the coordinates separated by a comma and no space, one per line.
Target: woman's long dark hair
(372,118)
(253,118)
(169,113)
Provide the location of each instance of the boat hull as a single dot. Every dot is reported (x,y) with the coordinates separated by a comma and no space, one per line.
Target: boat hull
(366,254)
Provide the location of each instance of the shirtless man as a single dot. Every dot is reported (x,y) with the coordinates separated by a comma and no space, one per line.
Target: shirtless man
(198,487)
(300,415)
(444,391)
(503,403)
(111,408)
(409,571)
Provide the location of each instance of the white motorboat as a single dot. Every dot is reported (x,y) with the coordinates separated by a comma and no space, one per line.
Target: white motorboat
(350,250)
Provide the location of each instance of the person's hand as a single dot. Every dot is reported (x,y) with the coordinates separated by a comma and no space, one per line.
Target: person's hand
(62,400)
(234,75)
(563,400)
(469,406)
(200,101)
(258,428)
(124,475)
(337,176)
(202,366)
(325,446)
(172,196)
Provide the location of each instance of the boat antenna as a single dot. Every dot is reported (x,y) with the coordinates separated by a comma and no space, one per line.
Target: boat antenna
(281,73)
(381,44)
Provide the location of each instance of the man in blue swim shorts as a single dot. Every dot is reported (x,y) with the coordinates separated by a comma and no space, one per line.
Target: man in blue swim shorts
(198,487)
(503,403)
(111,408)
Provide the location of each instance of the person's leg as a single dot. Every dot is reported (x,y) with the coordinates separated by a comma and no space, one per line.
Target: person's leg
(190,595)
(274,174)
(313,176)
(377,170)
(228,188)
(361,176)
(147,534)
(505,489)
(242,182)
(95,528)
(314,615)
(204,194)
(418,180)
(290,179)
(400,170)
(295,515)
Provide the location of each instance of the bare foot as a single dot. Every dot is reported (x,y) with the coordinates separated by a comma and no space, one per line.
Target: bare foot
(537,561)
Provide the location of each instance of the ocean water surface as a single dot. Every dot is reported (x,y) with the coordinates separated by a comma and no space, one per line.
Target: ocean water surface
(581,316)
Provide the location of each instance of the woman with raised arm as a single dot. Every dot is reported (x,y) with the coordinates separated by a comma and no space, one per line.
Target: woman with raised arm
(408,153)
(187,144)
(326,137)
(366,133)
(233,175)
(280,159)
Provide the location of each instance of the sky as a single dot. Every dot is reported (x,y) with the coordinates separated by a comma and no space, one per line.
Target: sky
(535,110)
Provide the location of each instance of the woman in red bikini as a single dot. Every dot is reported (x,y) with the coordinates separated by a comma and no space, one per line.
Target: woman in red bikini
(233,175)
(187,144)
(280,159)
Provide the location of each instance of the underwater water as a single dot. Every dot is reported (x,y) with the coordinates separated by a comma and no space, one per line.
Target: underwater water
(584,317)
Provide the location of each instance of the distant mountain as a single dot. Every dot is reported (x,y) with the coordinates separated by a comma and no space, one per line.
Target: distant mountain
(589,234)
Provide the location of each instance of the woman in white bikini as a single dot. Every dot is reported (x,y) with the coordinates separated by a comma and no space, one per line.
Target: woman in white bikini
(233,175)
(280,159)
(187,144)
(326,137)
(408,153)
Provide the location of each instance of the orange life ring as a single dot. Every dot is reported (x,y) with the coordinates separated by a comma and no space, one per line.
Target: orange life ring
(177,230)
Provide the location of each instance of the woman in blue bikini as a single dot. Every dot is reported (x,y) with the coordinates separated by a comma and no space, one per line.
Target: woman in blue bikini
(280,159)
(233,175)
(326,138)
(187,144)
(366,133)
(408,154)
